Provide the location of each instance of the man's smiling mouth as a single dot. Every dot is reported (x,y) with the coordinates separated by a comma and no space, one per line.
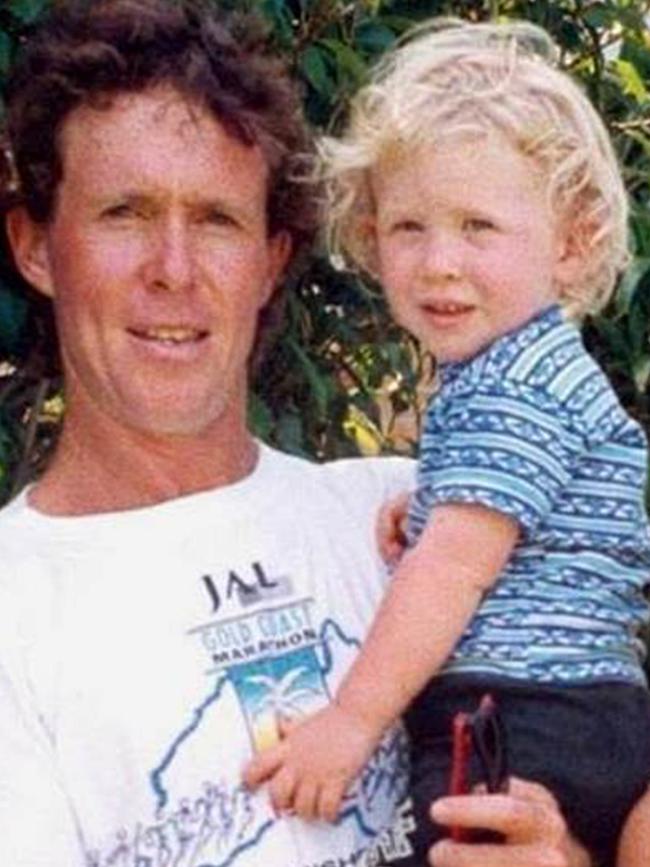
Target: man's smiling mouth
(170,335)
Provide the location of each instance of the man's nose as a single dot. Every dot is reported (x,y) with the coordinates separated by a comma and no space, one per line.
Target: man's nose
(442,255)
(171,260)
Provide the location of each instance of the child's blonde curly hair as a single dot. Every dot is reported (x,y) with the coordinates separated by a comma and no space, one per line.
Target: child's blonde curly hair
(453,78)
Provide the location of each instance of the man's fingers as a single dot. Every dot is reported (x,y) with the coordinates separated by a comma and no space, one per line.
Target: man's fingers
(531,791)
(529,818)
(390,535)
(519,818)
(263,766)
(448,854)
(389,548)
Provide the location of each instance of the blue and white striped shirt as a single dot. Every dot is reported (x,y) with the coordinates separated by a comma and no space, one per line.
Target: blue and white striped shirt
(531,427)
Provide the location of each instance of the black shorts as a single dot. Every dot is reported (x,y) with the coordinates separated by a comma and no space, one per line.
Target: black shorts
(590,745)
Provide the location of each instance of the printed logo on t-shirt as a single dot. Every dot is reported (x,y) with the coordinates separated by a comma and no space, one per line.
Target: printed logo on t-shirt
(271,658)
(263,662)
(247,589)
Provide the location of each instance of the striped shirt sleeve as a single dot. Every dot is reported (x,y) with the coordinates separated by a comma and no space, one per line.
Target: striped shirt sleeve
(505,445)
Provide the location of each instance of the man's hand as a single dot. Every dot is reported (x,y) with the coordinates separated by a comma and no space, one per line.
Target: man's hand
(309,771)
(528,817)
(391,527)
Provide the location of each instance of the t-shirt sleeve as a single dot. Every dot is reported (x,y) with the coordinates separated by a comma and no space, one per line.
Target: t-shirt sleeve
(368,482)
(505,445)
(37,826)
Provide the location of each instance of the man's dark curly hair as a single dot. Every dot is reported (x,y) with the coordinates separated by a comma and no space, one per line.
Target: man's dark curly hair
(87,51)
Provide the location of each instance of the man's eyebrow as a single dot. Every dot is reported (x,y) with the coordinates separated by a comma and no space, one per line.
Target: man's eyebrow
(126,195)
(153,196)
(214,203)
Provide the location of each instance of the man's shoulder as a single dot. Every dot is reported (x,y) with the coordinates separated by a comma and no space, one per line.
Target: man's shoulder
(24,566)
(14,521)
(382,476)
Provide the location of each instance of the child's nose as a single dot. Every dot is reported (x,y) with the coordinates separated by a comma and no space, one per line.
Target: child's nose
(442,256)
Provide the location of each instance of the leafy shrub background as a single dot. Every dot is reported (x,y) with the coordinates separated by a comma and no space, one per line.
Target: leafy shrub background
(339,375)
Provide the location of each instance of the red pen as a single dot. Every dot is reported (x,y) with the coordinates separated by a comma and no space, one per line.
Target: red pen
(461,752)
(483,734)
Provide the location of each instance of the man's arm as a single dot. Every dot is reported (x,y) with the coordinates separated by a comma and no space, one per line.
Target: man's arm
(37,826)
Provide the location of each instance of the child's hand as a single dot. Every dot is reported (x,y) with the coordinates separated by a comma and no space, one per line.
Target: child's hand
(310,770)
(390,530)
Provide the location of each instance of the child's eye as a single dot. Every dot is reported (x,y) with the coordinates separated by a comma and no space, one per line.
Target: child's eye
(407,226)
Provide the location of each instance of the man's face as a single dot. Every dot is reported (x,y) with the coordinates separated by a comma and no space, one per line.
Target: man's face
(158,261)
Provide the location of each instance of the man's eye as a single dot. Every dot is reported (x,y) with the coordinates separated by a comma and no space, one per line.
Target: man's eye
(117,211)
(121,211)
(478,224)
(219,218)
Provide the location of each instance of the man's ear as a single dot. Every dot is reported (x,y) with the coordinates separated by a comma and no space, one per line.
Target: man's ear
(28,243)
(280,247)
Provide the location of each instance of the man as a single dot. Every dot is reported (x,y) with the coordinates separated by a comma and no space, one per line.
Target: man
(171,588)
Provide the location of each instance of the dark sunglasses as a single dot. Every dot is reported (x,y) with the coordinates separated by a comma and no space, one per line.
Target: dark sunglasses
(481,734)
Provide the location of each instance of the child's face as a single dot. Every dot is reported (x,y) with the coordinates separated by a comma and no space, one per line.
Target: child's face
(467,245)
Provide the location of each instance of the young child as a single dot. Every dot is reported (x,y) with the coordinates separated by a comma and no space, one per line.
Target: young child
(478,184)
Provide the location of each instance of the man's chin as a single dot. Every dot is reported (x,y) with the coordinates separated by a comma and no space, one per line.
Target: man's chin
(175,428)
(174,420)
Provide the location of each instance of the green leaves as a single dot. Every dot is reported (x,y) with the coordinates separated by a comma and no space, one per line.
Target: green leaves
(280,15)
(631,81)
(314,66)
(630,285)
(6,46)
(341,378)
(13,315)
(373,37)
(27,11)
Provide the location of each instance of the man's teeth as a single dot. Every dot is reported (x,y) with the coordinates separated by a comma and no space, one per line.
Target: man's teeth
(171,335)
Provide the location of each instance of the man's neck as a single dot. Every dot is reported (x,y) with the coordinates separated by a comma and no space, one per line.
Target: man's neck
(107,470)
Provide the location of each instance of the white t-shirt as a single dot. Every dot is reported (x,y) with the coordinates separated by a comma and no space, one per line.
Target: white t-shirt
(144,654)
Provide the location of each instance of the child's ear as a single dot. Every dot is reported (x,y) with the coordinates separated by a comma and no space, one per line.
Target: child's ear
(28,241)
(572,251)
(366,231)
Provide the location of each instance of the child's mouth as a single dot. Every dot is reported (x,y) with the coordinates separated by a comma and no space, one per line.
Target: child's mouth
(447,312)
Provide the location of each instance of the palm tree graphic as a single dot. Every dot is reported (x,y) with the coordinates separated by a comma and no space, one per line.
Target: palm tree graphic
(283,697)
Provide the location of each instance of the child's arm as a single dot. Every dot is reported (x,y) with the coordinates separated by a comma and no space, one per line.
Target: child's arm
(431,598)
(433,594)
(635,839)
